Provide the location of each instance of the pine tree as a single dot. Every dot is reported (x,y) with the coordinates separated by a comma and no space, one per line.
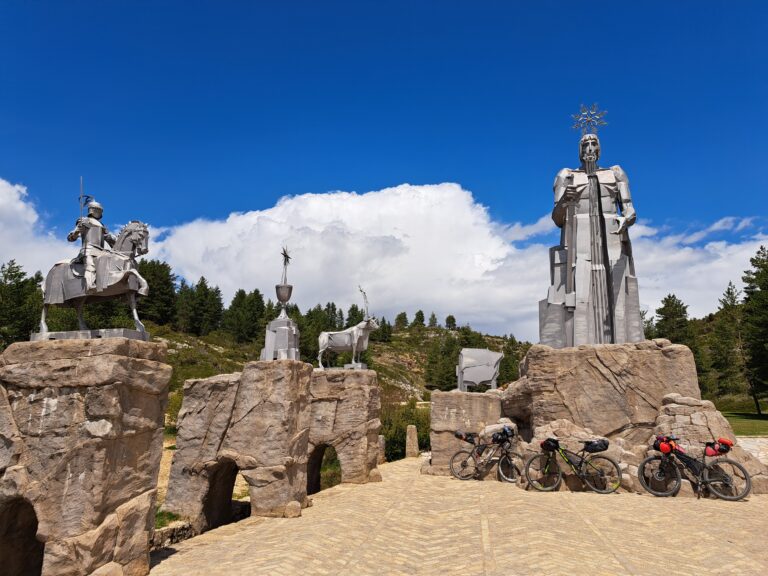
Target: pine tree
(418,319)
(160,305)
(354,315)
(727,344)
(450,322)
(185,308)
(244,318)
(21,302)
(672,320)
(649,325)
(756,325)
(432,321)
(401,322)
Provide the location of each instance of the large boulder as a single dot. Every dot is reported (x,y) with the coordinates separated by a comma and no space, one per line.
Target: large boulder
(255,423)
(451,411)
(697,421)
(344,413)
(81,436)
(615,390)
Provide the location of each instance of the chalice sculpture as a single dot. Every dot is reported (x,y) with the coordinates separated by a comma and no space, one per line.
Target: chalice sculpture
(284,290)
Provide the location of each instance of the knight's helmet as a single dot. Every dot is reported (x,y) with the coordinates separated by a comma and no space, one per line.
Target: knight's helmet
(95,209)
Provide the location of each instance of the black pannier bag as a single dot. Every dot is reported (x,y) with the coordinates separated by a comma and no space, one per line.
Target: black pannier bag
(596,445)
(550,445)
(498,438)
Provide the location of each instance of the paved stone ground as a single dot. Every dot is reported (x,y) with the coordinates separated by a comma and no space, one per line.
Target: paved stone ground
(757,445)
(427,525)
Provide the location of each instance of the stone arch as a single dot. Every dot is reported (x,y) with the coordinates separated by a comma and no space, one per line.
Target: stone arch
(218,506)
(20,550)
(314,464)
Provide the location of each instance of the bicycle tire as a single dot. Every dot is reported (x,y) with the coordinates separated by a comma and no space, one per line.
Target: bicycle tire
(659,476)
(509,467)
(601,474)
(727,479)
(463,465)
(543,472)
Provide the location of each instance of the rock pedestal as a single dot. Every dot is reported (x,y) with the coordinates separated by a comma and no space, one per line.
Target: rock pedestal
(344,407)
(255,423)
(614,389)
(81,436)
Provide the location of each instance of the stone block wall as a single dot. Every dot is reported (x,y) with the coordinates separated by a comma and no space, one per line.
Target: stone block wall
(345,407)
(255,423)
(81,434)
(451,411)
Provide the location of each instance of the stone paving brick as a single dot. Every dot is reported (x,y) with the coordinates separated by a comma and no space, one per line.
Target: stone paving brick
(413,524)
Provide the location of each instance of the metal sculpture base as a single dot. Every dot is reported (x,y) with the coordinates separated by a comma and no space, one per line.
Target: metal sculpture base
(356,366)
(281,341)
(90,334)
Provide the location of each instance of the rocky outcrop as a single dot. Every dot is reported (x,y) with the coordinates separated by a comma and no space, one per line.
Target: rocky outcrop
(614,389)
(344,407)
(255,423)
(451,411)
(697,421)
(81,434)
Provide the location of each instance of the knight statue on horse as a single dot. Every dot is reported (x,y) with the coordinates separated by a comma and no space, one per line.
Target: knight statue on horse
(104,269)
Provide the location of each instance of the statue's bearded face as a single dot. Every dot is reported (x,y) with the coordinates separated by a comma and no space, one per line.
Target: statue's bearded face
(589,148)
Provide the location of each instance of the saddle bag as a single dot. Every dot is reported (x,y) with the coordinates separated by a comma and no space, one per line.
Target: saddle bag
(550,445)
(722,446)
(466,436)
(596,446)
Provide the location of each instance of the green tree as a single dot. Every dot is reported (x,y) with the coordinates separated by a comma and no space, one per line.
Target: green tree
(244,318)
(418,319)
(432,321)
(649,325)
(185,308)
(383,333)
(401,322)
(755,321)
(354,315)
(450,322)
(21,302)
(208,307)
(727,344)
(442,357)
(672,320)
(159,305)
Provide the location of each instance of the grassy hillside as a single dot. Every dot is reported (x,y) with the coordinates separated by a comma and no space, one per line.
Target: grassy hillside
(401,363)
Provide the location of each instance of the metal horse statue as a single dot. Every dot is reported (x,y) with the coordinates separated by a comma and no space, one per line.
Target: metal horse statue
(354,339)
(116,273)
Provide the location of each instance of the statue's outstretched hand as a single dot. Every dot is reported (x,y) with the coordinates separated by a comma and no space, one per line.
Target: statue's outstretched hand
(622,224)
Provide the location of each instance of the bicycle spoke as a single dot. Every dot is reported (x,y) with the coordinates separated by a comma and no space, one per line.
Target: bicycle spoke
(727,479)
(601,474)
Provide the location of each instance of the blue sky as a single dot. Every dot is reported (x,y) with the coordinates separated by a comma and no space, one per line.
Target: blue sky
(175,111)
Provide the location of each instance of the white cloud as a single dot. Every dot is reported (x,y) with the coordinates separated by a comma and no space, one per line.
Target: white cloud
(21,235)
(432,248)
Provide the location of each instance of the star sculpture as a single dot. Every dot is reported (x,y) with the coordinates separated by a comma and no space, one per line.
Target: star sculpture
(589,119)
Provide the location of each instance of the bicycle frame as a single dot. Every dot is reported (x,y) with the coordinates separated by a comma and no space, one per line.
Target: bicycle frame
(576,467)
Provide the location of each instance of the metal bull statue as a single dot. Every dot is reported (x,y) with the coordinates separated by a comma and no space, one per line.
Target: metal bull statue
(115,271)
(354,339)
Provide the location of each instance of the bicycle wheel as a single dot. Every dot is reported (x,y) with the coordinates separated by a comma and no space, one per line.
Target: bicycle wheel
(543,472)
(463,465)
(659,476)
(601,473)
(727,479)
(509,469)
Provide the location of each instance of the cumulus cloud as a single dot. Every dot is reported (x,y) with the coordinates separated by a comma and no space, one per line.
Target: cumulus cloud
(432,248)
(22,236)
